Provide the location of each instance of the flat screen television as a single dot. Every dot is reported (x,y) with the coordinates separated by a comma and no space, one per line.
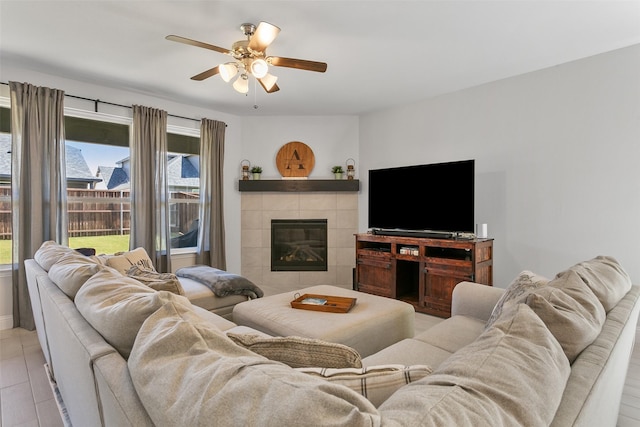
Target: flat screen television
(435,197)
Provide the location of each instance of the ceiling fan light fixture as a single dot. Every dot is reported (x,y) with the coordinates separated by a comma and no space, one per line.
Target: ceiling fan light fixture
(259,68)
(242,83)
(227,71)
(269,80)
(265,34)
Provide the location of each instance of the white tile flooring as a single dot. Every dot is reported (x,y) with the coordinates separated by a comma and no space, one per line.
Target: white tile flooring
(26,399)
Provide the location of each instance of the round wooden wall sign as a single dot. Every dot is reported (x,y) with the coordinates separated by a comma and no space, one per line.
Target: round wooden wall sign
(295,160)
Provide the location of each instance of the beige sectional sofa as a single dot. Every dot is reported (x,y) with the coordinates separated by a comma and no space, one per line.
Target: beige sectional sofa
(540,353)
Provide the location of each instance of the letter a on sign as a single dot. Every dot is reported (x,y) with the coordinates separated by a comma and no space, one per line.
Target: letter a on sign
(295,159)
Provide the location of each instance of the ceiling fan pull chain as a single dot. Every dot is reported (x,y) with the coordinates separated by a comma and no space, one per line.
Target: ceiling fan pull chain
(255,94)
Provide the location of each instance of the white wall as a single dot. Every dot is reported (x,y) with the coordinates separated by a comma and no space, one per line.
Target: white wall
(557,151)
(333,140)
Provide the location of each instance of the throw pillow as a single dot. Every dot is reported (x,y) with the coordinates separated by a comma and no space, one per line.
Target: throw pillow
(516,293)
(158,281)
(72,271)
(49,253)
(299,352)
(605,277)
(376,383)
(122,261)
(187,373)
(117,306)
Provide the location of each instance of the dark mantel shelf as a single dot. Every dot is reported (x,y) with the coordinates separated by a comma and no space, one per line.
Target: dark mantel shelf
(299,185)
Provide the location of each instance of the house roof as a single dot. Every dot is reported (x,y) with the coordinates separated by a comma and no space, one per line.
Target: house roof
(77,168)
(114,178)
(181,173)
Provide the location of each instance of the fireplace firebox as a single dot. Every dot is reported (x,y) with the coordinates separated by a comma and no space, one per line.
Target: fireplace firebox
(298,245)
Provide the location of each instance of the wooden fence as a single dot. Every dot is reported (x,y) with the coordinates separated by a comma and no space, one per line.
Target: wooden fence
(98,212)
(104,212)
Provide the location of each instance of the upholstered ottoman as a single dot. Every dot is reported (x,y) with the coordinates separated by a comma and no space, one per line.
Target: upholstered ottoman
(372,324)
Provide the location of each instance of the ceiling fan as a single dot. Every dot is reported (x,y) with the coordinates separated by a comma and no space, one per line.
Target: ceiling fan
(251,58)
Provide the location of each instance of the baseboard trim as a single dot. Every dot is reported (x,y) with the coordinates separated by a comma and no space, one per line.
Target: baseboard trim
(6,322)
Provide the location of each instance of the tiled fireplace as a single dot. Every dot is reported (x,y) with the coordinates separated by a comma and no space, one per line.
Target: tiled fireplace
(339,209)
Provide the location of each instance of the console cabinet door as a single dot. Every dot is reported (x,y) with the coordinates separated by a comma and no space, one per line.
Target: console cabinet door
(438,288)
(376,276)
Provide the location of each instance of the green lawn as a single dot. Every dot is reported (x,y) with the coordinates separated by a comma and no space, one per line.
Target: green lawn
(102,245)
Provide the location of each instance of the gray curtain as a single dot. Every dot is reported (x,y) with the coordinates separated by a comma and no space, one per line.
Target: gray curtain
(211,249)
(38,187)
(149,186)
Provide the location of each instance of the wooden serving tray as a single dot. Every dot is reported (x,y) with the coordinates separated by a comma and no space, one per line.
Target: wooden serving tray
(331,304)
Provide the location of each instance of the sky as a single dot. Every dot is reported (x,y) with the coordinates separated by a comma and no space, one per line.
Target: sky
(100,155)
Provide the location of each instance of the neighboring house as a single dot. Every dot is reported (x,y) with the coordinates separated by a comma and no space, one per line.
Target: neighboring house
(183,173)
(78,173)
(113,178)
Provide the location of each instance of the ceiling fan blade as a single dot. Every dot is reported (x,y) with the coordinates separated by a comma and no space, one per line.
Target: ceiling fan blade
(274,88)
(206,74)
(300,64)
(263,36)
(196,43)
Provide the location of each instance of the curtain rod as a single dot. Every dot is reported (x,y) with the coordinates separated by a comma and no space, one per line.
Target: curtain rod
(98,101)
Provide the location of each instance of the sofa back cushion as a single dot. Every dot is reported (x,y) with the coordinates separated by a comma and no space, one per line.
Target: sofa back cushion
(570,310)
(116,306)
(514,374)
(188,373)
(49,253)
(605,277)
(72,270)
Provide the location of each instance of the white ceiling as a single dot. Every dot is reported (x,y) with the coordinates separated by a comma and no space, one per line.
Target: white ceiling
(379,53)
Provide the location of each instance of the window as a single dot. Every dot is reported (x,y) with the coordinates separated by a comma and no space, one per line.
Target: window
(98,184)
(183,169)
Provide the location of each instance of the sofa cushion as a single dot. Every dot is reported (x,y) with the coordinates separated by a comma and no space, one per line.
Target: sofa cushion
(158,281)
(514,374)
(376,383)
(49,253)
(570,310)
(299,352)
(206,379)
(71,271)
(516,293)
(122,261)
(117,305)
(453,333)
(408,352)
(605,277)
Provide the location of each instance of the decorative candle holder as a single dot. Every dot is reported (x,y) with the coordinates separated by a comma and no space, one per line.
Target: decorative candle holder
(351,169)
(245,169)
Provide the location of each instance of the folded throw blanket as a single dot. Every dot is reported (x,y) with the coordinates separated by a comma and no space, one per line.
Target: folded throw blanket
(221,282)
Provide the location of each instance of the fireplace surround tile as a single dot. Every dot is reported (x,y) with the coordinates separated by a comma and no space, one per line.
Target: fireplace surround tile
(257,211)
